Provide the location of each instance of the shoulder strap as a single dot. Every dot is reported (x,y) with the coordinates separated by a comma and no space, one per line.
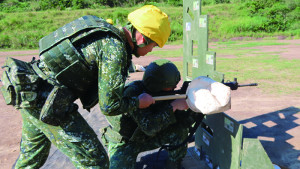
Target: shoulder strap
(42,75)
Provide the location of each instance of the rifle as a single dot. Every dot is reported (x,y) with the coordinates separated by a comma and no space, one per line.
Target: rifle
(234,85)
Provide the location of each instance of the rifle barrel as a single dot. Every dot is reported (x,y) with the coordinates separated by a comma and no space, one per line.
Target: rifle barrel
(250,84)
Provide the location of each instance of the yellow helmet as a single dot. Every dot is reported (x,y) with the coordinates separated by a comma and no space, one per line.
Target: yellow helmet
(110,21)
(151,22)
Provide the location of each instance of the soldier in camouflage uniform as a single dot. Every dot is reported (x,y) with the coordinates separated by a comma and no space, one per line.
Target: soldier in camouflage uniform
(165,122)
(85,59)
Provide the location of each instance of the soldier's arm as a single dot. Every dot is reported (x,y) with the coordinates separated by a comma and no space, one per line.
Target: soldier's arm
(111,79)
(153,119)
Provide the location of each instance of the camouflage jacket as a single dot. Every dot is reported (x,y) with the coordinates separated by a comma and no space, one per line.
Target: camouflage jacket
(112,60)
(106,56)
(141,124)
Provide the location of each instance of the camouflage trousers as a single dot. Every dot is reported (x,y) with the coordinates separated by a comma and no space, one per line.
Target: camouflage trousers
(74,137)
(123,155)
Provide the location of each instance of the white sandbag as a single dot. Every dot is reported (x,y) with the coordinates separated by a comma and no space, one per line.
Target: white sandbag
(208,96)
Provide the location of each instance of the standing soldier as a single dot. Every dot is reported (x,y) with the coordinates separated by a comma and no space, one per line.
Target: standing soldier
(86,59)
(165,122)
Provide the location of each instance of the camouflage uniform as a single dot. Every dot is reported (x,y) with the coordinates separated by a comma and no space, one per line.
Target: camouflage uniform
(106,56)
(135,131)
(74,137)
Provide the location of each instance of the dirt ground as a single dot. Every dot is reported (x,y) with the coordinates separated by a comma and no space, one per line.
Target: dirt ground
(274,119)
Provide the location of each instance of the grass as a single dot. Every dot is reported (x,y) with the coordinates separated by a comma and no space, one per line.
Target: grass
(164,53)
(177,42)
(22,30)
(274,74)
(252,44)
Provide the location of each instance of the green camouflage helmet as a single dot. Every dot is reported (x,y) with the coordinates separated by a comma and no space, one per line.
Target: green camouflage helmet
(160,74)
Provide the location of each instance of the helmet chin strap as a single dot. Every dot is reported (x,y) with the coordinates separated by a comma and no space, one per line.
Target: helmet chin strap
(134,41)
(132,30)
(135,46)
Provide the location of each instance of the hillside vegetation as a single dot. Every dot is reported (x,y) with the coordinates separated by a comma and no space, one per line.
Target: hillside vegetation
(24,22)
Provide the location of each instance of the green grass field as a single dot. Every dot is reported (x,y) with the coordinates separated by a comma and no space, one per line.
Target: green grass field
(274,74)
(22,30)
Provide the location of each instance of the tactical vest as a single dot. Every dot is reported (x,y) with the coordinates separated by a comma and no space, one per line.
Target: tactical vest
(66,64)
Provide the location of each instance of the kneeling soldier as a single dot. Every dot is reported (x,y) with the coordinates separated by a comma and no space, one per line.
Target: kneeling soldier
(165,122)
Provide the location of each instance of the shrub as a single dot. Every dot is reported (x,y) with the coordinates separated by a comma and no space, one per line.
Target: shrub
(176,31)
(277,18)
(292,4)
(5,41)
(175,2)
(257,6)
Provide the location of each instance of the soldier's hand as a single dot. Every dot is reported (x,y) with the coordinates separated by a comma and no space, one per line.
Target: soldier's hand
(179,104)
(145,100)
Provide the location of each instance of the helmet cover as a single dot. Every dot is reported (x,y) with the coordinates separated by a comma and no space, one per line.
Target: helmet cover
(160,74)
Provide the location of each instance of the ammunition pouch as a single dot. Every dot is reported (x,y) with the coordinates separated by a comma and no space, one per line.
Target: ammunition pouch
(20,84)
(109,135)
(59,102)
(8,90)
(22,87)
